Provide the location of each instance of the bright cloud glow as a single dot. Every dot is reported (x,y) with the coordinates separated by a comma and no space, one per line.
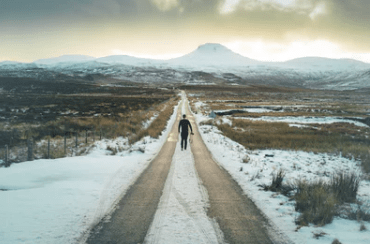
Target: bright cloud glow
(319,9)
(229,6)
(165,5)
(307,7)
(274,52)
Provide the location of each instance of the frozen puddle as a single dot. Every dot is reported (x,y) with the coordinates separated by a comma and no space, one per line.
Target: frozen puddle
(181,214)
(306,120)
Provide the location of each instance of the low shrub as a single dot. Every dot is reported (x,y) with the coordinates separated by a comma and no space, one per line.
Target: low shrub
(246,159)
(318,201)
(277,180)
(359,213)
(277,184)
(362,227)
(345,186)
(336,241)
(316,204)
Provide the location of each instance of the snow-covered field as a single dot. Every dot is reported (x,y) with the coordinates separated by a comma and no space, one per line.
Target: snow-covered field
(296,165)
(56,201)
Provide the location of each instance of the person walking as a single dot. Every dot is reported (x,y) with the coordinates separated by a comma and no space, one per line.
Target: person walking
(183,127)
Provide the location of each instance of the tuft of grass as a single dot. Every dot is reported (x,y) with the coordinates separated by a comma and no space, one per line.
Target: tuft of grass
(277,184)
(345,186)
(362,227)
(336,241)
(276,181)
(246,159)
(359,214)
(318,234)
(315,203)
(318,201)
(113,150)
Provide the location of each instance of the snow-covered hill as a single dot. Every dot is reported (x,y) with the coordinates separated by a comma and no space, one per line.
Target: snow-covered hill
(209,63)
(212,55)
(318,63)
(64,59)
(128,60)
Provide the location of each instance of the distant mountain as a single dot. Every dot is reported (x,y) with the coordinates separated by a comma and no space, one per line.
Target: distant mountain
(212,54)
(326,64)
(11,65)
(65,59)
(127,60)
(208,55)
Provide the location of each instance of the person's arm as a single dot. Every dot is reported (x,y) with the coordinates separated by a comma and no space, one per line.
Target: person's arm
(190,127)
(179,126)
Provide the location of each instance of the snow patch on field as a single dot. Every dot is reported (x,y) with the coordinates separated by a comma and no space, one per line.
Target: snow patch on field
(306,120)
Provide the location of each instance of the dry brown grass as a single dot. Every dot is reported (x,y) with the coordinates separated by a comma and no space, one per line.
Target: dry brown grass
(318,201)
(158,125)
(337,138)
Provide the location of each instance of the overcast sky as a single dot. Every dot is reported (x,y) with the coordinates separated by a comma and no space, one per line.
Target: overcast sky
(271,30)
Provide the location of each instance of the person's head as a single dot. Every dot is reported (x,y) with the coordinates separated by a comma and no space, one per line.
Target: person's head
(184,116)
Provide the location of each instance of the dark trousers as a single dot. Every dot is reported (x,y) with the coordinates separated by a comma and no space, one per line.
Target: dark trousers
(184,138)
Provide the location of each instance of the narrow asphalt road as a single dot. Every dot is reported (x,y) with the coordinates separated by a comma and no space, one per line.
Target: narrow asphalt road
(238,217)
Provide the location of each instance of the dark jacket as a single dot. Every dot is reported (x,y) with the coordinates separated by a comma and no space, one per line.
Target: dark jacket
(184,124)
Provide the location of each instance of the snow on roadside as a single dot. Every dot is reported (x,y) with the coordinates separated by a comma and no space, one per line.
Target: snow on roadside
(297,165)
(148,122)
(56,201)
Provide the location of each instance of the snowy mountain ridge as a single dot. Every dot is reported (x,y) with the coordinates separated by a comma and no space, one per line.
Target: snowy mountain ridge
(209,54)
(208,64)
(64,59)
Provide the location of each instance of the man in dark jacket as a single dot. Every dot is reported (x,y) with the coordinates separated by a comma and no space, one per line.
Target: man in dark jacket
(183,127)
